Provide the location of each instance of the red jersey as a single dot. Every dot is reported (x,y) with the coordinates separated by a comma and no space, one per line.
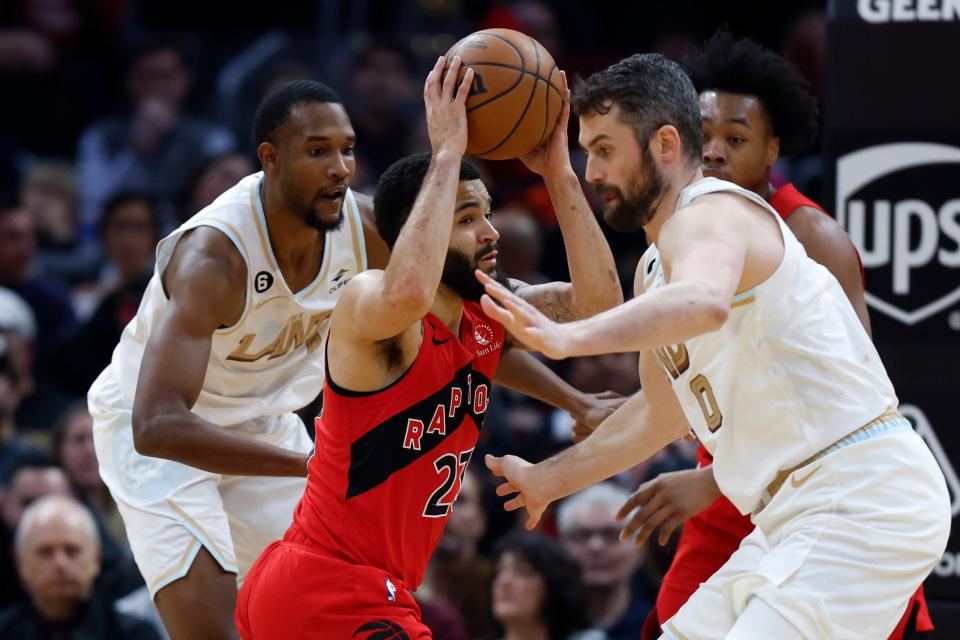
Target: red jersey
(709,538)
(388,464)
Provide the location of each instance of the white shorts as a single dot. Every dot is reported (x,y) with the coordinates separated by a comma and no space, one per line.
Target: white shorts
(170,510)
(837,556)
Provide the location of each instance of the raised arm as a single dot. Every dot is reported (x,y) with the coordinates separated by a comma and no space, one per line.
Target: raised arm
(202,286)
(647,422)
(594,285)
(377,305)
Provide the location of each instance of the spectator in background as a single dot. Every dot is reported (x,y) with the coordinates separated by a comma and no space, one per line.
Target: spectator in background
(18,328)
(457,573)
(49,193)
(58,559)
(617,602)
(49,301)
(214,177)
(153,148)
(520,245)
(130,230)
(538,591)
(13,447)
(33,477)
(73,447)
(383,105)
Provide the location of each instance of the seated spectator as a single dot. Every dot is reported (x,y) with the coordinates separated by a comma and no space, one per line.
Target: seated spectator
(33,477)
(73,448)
(13,446)
(49,301)
(217,174)
(156,146)
(590,531)
(457,573)
(129,231)
(58,559)
(50,195)
(538,592)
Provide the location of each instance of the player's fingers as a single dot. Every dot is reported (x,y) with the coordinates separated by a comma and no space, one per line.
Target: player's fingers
(639,497)
(506,489)
(429,87)
(514,503)
(638,520)
(532,521)
(450,79)
(667,529)
(610,395)
(650,524)
(496,312)
(494,463)
(464,90)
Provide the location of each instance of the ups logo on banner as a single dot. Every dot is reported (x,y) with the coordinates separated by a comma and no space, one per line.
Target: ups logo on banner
(900,203)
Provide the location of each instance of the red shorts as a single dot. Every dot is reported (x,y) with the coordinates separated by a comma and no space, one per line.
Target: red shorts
(296,590)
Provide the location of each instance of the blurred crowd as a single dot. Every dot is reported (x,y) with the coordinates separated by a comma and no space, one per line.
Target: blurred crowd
(115,128)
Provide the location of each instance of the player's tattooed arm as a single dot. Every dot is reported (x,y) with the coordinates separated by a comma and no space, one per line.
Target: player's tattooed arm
(554,300)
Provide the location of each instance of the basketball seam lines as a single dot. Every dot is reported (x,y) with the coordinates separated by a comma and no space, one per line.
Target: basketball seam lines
(522,70)
(526,107)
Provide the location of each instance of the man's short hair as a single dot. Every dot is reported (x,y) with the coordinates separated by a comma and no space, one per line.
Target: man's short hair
(275,109)
(744,67)
(397,190)
(48,504)
(651,91)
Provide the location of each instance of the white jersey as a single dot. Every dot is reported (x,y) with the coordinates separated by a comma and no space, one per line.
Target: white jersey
(789,373)
(271,361)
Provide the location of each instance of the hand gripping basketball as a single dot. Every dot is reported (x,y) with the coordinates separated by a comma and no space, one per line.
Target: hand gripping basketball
(444,102)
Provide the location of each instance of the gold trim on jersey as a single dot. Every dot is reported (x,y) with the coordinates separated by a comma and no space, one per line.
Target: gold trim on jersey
(743,301)
(209,540)
(270,299)
(180,566)
(673,631)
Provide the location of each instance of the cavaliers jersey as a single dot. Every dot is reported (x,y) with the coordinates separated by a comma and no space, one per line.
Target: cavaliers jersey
(388,463)
(790,372)
(271,361)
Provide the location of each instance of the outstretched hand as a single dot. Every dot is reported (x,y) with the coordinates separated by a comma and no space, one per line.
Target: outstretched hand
(552,158)
(522,320)
(516,471)
(666,502)
(601,406)
(445,105)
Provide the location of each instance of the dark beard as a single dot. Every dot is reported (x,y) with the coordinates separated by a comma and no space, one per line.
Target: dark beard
(639,205)
(310,218)
(458,273)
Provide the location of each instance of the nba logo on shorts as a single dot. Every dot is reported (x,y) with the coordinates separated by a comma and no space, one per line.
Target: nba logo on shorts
(391,590)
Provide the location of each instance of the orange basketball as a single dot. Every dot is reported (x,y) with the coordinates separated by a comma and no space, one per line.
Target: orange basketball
(516,95)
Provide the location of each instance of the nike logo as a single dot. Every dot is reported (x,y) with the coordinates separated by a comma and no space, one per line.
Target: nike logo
(439,342)
(796,481)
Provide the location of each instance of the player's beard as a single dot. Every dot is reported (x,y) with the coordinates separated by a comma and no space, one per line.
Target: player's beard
(638,205)
(308,214)
(458,273)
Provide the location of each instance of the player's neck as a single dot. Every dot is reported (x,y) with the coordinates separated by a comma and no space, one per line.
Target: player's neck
(768,191)
(447,307)
(293,241)
(668,202)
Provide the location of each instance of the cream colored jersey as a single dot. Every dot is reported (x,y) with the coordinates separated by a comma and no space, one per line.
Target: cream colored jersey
(271,361)
(789,373)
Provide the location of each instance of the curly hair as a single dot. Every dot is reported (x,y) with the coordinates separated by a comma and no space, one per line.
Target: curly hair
(565,605)
(651,92)
(398,188)
(745,67)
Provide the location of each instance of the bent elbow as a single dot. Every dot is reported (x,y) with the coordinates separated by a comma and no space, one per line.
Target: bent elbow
(144,435)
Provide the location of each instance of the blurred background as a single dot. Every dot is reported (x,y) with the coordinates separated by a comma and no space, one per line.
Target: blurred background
(120,119)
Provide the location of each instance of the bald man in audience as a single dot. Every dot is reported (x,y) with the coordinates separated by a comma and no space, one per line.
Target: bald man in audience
(57,552)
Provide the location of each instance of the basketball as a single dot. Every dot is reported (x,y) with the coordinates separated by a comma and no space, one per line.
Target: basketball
(516,95)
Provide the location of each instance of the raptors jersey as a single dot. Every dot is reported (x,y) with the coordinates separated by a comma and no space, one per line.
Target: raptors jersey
(388,463)
(271,361)
(790,372)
